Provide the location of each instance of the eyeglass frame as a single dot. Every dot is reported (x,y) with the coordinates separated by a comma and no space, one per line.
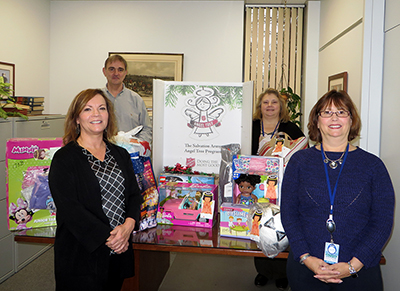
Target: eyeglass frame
(334,112)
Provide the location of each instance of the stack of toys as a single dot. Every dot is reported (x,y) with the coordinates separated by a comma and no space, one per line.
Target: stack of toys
(255,179)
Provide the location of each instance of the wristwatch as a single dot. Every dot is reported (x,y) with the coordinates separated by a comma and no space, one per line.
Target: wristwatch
(353,272)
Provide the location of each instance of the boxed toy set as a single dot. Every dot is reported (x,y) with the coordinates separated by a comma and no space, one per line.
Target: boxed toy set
(187,204)
(186,178)
(233,221)
(29,201)
(254,179)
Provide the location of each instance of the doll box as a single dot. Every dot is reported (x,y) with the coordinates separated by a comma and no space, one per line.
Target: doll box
(233,221)
(262,176)
(29,201)
(185,178)
(187,204)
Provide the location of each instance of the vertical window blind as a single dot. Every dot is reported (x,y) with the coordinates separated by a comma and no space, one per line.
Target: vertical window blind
(273,48)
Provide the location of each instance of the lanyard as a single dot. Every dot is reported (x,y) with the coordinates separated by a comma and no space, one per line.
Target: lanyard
(332,194)
(276,127)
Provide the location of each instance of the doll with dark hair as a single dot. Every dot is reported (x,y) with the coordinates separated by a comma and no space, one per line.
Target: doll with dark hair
(247,184)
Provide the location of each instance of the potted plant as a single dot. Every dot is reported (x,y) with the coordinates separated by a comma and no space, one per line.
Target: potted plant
(8,107)
(293,102)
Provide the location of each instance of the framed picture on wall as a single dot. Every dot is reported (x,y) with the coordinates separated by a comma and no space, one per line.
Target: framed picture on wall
(338,82)
(7,75)
(144,67)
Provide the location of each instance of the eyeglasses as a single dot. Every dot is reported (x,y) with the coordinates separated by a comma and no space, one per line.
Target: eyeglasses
(339,113)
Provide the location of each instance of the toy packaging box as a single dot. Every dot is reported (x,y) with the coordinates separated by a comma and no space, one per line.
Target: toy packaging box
(29,201)
(187,204)
(186,178)
(148,187)
(233,221)
(256,179)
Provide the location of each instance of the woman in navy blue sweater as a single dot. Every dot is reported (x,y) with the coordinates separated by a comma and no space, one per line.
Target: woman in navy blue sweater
(337,204)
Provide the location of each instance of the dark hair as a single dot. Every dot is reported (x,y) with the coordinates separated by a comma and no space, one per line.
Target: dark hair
(257,213)
(284,112)
(76,107)
(342,101)
(114,58)
(253,180)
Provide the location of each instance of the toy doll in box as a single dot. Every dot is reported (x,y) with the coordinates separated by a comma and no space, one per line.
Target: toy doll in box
(256,179)
(187,204)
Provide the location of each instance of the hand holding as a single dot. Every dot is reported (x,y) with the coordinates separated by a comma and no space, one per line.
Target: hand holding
(323,270)
(118,240)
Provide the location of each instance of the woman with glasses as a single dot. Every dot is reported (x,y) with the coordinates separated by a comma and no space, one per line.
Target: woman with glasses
(337,204)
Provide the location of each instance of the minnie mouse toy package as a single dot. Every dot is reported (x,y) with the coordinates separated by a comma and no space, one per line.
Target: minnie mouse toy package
(29,201)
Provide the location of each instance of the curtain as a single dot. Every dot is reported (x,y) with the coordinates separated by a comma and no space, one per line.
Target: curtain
(273,48)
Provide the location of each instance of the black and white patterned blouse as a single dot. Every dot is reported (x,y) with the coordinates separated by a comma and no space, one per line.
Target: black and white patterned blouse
(112,186)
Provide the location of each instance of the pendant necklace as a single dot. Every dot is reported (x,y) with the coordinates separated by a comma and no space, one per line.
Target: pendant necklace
(333,164)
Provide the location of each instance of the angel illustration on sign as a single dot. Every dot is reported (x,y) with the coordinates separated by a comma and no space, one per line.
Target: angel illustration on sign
(203,114)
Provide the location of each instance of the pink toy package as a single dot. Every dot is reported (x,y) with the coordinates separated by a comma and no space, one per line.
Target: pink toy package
(187,204)
(29,201)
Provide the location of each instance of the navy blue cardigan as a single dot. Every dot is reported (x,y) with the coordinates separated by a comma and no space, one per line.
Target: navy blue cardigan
(363,207)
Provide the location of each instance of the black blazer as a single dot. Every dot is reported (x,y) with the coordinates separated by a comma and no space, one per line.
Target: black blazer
(81,256)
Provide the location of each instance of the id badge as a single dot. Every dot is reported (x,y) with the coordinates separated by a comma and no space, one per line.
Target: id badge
(331,253)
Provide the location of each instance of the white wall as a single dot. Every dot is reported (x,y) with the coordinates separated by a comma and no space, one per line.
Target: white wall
(344,54)
(390,138)
(310,60)
(25,42)
(209,34)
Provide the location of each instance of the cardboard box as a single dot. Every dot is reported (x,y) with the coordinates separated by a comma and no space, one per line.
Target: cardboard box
(233,221)
(29,201)
(186,178)
(187,204)
(269,171)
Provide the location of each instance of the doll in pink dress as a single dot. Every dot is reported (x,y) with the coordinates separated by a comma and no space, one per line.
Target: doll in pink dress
(271,189)
(207,203)
(255,222)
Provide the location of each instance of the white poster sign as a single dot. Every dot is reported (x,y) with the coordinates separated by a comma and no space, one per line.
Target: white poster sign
(198,118)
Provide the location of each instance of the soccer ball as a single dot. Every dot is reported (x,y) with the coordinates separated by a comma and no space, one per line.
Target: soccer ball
(272,237)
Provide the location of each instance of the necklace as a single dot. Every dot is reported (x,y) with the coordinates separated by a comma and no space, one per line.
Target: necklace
(333,164)
(269,133)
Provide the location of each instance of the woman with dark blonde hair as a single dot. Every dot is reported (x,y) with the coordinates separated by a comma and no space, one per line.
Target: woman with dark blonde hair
(270,118)
(337,204)
(97,197)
